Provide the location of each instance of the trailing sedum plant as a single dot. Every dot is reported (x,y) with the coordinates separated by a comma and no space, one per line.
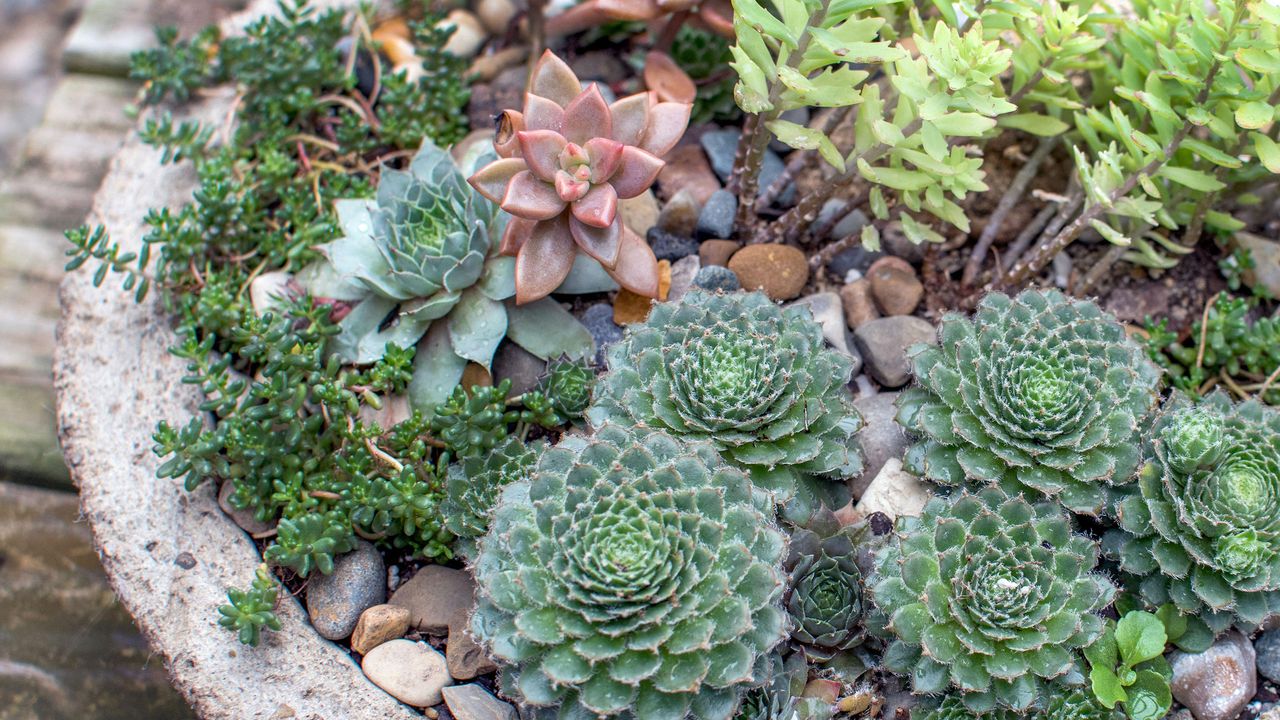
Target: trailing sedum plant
(1039,394)
(990,597)
(248,612)
(565,162)
(1201,529)
(753,379)
(633,576)
(424,254)
(1235,343)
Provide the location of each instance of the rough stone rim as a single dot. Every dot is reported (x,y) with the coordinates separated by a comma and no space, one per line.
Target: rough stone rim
(170,555)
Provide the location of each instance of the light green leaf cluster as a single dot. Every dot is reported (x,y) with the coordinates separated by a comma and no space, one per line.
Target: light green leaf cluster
(1127,666)
(800,59)
(1183,95)
(420,265)
(907,143)
(1051,41)
(946,90)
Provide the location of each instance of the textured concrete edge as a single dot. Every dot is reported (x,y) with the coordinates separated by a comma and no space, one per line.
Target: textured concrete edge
(170,555)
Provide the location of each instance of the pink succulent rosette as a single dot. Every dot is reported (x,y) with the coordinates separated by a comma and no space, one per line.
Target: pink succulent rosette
(565,162)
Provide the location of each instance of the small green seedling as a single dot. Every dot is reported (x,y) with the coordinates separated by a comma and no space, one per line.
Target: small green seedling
(1128,666)
(251,610)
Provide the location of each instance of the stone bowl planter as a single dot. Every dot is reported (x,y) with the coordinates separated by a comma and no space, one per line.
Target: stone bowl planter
(170,554)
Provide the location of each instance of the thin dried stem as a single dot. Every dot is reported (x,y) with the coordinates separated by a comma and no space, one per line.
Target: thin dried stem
(1204,329)
(1016,190)
(799,160)
(1100,268)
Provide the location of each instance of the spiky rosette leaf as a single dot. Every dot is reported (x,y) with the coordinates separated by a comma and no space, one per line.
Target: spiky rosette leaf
(1076,704)
(990,597)
(952,707)
(824,593)
(1202,527)
(748,376)
(475,483)
(568,383)
(1040,394)
(782,698)
(633,576)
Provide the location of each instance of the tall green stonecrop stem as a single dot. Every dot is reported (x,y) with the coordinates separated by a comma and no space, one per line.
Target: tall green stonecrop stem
(1040,394)
(634,576)
(991,598)
(793,62)
(753,379)
(949,90)
(1202,527)
(1181,114)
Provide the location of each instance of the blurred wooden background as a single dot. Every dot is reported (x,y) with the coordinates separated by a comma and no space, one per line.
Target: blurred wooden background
(67,649)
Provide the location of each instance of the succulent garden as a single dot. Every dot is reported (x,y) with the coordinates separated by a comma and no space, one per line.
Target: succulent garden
(750,360)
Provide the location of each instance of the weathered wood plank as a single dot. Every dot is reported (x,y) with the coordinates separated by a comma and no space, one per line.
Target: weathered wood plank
(89,102)
(28,442)
(32,252)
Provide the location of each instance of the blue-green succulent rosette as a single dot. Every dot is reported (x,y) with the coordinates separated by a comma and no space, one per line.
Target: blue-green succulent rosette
(420,263)
(1201,528)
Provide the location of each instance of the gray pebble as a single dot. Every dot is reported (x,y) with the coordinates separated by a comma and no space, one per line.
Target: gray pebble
(721,147)
(884,342)
(716,218)
(1217,683)
(1268,648)
(357,583)
(521,367)
(669,246)
(716,277)
(598,319)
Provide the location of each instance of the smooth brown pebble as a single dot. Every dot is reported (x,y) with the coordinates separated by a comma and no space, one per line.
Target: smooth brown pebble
(379,624)
(895,286)
(717,252)
(411,672)
(437,597)
(687,169)
(679,215)
(781,271)
(465,658)
(475,374)
(859,307)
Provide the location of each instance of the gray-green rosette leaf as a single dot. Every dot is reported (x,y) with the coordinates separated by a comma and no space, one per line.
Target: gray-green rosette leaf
(1201,529)
(633,576)
(990,598)
(420,265)
(753,379)
(1039,394)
